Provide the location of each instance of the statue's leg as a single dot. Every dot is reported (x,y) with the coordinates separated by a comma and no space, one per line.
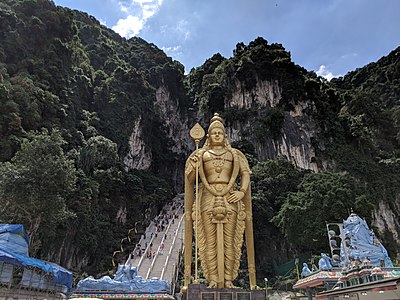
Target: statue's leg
(209,259)
(229,247)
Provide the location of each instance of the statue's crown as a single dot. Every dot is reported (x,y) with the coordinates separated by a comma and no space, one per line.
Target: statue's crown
(216,122)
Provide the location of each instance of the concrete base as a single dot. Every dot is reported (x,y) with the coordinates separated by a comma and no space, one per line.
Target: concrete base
(201,292)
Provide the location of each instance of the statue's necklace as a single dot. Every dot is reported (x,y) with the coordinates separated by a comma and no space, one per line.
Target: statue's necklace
(218,161)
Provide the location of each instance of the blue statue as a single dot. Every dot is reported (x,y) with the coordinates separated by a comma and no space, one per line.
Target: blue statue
(125,279)
(325,262)
(361,242)
(305,271)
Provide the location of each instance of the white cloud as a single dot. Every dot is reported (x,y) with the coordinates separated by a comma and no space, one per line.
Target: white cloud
(175,52)
(128,27)
(349,55)
(324,72)
(123,7)
(182,28)
(138,11)
(172,51)
(143,1)
(148,10)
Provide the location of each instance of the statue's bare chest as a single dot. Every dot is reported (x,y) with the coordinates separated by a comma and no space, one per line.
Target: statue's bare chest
(218,165)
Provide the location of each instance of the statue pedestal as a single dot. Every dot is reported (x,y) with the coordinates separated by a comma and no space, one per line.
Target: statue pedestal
(201,292)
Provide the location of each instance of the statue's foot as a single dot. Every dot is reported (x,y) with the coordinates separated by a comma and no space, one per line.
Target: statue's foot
(229,284)
(212,284)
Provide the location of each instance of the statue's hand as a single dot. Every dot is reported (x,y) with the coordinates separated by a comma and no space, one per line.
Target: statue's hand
(191,166)
(235,196)
(195,159)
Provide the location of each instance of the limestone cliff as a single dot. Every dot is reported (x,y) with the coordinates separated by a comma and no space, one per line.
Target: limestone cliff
(175,121)
(386,221)
(175,131)
(139,155)
(298,127)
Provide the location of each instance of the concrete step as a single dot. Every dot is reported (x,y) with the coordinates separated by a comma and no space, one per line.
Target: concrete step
(161,265)
(172,246)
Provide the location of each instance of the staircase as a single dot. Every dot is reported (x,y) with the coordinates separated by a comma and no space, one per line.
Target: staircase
(164,244)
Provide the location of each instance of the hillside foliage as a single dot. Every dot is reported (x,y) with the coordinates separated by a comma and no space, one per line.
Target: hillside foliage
(71,91)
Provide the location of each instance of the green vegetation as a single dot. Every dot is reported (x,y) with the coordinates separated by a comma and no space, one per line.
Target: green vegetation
(38,180)
(71,92)
(320,197)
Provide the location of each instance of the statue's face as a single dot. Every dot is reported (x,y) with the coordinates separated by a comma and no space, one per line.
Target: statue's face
(217,137)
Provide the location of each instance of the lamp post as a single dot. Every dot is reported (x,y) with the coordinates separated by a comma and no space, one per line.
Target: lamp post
(266,288)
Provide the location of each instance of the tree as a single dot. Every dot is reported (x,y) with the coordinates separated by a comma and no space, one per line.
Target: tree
(272,180)
(35,184)
(321,197)
(99,153)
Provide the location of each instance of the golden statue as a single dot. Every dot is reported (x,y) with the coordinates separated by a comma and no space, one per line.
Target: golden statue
(223,209)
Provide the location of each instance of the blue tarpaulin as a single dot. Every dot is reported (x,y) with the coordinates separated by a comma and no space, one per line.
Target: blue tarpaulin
(61,275)
(14,239)
(21,260)
(10,253)
(14,228)
(362,243)
(125,280)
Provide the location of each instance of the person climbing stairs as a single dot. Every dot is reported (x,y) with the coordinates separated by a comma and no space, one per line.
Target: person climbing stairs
(157,253)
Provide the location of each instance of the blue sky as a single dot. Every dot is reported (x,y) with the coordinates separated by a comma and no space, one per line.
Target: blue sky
(331,37)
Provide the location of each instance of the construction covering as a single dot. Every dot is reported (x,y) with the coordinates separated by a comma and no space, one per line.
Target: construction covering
(360,243)
(14,239)
(14,251)
(125,279)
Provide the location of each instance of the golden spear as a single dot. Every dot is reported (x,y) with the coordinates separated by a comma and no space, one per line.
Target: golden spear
(197,133)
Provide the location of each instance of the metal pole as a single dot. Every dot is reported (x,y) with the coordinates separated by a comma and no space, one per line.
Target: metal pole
(266,288)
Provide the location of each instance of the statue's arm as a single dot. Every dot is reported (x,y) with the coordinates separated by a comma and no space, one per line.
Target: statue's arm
(190,168)
(244,171)
(244,181)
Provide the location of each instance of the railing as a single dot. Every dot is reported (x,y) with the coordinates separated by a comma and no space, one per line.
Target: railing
(175,275)
(174,211)
(145,251)
(158,250)
(171,248)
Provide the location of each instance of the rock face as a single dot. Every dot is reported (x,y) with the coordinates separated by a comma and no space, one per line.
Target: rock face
(175,130)
(265,94)
(139,156)
(297,130)
(385,219)
(294,141)
(174,119)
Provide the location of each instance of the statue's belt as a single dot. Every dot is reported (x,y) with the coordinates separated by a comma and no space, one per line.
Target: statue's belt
(207,200)
(219,187)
